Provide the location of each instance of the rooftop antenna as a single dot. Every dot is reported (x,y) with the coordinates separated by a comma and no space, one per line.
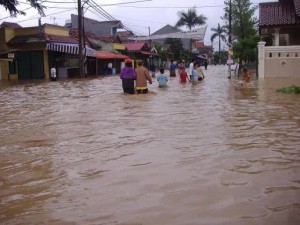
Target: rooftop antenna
(53,19)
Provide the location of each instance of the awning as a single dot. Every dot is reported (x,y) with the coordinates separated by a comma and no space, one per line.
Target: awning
(109,55)
(71,48)
(201,57)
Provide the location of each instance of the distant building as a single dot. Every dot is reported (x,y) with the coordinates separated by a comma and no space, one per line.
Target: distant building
(170,29)
(96,27)
(203,52)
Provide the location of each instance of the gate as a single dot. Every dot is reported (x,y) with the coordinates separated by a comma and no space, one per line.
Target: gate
(30,65)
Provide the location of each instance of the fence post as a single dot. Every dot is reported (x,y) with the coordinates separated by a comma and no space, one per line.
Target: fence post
(261,59)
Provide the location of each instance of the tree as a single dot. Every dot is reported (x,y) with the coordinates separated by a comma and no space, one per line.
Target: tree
(161,51)
(245,49)
(11,6)
(190,19)
(244,28)
(219,32)
(176,47)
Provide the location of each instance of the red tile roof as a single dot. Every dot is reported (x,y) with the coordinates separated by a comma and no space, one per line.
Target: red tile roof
(109,55)
(297,7)
(278,13)
(134,46)
(56,38)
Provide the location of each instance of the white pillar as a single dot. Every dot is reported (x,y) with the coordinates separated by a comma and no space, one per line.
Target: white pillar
(287,39)
(277,36)
(261,59)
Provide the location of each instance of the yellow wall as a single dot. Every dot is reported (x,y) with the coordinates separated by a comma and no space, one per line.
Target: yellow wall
(56,30)
(6,34)
(4,69)
(26,31)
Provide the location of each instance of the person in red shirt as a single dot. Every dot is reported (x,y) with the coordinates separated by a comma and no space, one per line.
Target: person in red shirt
(183,76)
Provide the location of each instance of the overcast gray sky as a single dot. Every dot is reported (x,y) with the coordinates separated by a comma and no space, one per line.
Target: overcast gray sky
(139,16)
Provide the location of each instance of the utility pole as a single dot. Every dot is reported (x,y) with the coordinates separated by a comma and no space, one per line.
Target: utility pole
(229,58)
(81,66)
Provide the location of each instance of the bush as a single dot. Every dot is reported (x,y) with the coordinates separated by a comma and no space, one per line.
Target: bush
(292,89)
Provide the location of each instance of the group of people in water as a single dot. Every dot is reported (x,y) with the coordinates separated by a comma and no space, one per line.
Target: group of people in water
(136,80)
(141,76)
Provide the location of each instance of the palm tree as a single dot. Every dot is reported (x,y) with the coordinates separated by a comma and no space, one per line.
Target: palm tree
(219,32)
(190,19)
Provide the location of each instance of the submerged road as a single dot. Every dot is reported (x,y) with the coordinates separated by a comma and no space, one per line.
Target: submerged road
(82,152)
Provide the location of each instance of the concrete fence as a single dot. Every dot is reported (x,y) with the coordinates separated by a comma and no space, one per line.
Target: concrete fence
(278,61)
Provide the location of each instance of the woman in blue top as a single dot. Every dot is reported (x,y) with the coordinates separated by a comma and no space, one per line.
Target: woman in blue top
(128,75)
(162,78)
(172,69)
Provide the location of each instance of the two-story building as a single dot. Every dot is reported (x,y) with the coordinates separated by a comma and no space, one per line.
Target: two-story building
(34,50)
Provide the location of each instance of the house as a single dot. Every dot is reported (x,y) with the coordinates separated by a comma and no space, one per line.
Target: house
(110,50)
(281,21)
(124,35)
(97,27)
(34,50)
(203,52)
(141,50)
(170,29)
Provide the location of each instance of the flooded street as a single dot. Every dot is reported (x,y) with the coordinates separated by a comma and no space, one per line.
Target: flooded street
(81,152)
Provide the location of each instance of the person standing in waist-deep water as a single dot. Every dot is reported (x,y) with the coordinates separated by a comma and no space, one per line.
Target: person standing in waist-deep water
(246,76)
(191,67)
(142,75)
(200,72)
(205,64)
(128,75)
(109,68)
(53,76)
(172,69)
(162,78)
(152,69)
(180,66)
(183,76)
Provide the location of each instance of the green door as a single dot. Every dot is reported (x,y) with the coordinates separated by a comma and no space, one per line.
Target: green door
(31,65)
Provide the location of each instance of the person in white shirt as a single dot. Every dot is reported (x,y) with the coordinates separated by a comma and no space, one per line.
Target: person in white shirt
(53,76)
(109,68)
(191,67)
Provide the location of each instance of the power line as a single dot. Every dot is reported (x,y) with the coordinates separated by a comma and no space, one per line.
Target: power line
(47,15)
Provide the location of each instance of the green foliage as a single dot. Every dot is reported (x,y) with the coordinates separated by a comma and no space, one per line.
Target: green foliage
(267,39)
(244,24)
(11,6)
(190,18)
(220,56)
(162,52)
(245,49)
(176,47)
(244,29)
(292,89)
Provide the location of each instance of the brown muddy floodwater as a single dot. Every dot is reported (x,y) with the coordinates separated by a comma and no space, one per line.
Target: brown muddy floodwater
(81,152)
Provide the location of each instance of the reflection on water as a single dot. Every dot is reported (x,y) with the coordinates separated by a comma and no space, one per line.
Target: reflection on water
(81,152)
